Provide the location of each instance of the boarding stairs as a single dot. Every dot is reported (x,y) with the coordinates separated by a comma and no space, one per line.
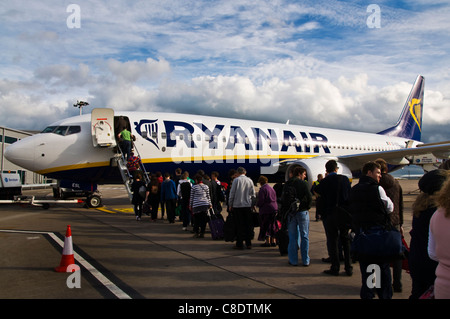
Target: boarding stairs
(103,136)
(127,176)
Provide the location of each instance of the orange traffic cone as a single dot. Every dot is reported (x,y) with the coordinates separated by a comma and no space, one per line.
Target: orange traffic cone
(67,254)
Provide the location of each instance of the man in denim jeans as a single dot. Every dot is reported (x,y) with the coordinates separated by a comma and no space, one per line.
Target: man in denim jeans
(298,222)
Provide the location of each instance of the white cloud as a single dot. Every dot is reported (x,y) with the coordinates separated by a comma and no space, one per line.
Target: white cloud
(26,111)
(313,62)
(132,71)
(64,75)
(302,100)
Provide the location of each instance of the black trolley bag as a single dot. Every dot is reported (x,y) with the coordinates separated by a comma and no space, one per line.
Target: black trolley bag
(216,224)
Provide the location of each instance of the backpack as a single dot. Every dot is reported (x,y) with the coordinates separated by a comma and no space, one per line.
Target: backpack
(142,191)
(185,190)
(154,189)
(221,193)
(289,200)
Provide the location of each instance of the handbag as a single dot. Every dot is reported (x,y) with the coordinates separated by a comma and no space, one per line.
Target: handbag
(230,228)
(274,227)
(405,263)
(429,294)
(146,209)
(256,220)
(377,244)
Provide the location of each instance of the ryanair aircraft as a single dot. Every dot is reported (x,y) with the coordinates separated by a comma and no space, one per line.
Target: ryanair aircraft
(84,149)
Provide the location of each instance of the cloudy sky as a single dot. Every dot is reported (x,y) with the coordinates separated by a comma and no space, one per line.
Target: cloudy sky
(339,64)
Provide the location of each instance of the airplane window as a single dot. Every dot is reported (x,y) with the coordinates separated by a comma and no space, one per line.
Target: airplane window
(73,130)
(49,129)
(61,130)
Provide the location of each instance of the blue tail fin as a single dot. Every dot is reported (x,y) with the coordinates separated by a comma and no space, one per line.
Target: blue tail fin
(409,124)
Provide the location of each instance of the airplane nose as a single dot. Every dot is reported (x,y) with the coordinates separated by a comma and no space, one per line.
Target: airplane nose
(21,153)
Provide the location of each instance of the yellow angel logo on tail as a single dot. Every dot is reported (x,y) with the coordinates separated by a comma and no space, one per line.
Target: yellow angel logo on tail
(415,108)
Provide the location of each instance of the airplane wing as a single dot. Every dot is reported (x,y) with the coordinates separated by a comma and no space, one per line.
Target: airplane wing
(396,157)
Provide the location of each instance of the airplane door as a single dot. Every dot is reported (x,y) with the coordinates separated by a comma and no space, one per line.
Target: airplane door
(102,127)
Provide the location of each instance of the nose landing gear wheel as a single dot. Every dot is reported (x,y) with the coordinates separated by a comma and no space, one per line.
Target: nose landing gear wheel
(94,201)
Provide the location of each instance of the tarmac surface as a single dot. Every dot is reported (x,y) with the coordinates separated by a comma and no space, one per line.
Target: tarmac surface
(122,258)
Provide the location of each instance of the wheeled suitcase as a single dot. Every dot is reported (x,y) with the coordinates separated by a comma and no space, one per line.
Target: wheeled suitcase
(282,235)
(283,240)
(229,229)
(216,224)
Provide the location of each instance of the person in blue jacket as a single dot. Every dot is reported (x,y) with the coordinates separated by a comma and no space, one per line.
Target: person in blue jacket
(169,197)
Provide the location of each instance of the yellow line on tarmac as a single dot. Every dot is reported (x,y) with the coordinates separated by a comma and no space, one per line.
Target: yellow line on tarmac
(106,210)
(128,210)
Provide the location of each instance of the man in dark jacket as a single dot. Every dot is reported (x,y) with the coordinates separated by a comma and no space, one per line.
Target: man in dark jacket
(369,205)
(395,193)
(334,191)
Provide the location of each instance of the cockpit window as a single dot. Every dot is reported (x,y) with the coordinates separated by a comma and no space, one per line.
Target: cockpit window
(73,130)
(62,130)
(49,129)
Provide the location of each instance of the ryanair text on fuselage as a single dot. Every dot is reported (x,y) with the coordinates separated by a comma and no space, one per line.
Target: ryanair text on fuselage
(254,139)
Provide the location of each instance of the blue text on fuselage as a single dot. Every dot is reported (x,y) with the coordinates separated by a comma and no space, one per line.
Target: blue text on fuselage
(253,139)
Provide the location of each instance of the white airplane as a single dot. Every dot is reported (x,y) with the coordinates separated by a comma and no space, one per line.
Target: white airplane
(83,149)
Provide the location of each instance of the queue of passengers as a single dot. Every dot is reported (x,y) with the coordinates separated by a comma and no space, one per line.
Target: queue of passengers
(284,217)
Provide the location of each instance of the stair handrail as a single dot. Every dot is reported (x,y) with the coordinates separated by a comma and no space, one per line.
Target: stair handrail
(141,166)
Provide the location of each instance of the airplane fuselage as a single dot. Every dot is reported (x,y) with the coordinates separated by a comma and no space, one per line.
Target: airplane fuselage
(166,141)
(83,148)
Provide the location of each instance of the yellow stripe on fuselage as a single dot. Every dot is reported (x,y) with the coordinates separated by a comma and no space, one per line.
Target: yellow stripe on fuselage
(71,167)
(221,159)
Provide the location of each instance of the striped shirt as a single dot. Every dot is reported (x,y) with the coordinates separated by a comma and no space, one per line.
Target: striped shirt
(200,196)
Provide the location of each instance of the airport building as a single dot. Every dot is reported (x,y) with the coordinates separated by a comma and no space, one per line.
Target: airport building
(7,137)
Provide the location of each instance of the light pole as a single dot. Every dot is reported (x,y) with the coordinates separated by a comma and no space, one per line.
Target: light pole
(80,105)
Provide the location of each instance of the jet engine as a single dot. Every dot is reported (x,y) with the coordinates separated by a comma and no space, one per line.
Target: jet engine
(314,167)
